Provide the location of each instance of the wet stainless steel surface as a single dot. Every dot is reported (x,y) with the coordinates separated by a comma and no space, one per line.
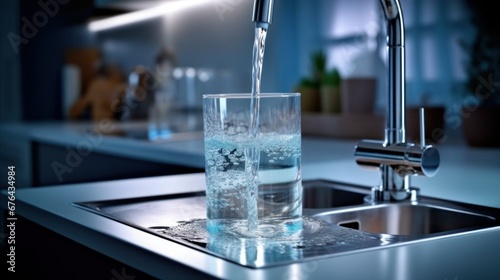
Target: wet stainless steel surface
(356,226)
(157,215)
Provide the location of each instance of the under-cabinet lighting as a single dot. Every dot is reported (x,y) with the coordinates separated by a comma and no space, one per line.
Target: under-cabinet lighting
(137,16)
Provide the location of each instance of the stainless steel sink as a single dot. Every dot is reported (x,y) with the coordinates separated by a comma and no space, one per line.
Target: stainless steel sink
(426,218)
(351,224)
(409,219)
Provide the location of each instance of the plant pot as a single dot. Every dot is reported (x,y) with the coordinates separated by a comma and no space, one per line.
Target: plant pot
(309,99)
(358,96)
(330,100)
(480,126)
(434,124)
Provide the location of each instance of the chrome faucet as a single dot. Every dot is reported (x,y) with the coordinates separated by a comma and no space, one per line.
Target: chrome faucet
(262,13)
(396,159)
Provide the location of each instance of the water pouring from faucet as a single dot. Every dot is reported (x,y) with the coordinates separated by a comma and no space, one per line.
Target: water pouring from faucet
(262,16)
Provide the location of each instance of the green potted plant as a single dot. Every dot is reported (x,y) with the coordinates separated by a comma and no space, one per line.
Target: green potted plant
(330,92)
(481,106)
(318,59)
(309,87)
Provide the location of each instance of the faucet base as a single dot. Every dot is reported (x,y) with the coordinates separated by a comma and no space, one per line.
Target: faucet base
(377,195)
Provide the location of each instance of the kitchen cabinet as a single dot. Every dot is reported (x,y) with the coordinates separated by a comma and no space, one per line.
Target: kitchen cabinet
(54,164)
(53,153)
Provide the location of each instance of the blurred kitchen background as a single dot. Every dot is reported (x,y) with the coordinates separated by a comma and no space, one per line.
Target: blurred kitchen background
(41,39)
(176,50)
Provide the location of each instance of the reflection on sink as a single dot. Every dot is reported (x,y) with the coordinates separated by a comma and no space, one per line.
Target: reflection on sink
(401,220)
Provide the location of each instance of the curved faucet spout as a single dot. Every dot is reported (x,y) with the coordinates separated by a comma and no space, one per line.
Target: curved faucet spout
(395,120)
(391,8)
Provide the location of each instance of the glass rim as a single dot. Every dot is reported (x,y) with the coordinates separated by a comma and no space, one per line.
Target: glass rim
(249,95)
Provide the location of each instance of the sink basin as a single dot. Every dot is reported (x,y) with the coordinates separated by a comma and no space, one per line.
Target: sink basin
(410,219)
(426,218)
(320,194)
(338,210)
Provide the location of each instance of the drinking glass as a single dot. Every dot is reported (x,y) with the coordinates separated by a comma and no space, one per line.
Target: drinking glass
(230,150)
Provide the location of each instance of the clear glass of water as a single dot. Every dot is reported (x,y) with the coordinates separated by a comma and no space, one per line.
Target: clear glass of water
(230,152)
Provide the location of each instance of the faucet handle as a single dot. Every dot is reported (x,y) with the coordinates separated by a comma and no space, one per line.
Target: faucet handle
(404,158)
